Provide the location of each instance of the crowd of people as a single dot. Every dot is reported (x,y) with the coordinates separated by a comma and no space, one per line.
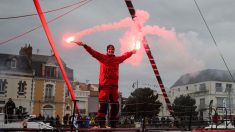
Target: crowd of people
(13,113)
(53,121)
(78,121)
(155,121)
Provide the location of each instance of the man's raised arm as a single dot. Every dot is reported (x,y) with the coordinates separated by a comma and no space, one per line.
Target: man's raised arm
(91,51)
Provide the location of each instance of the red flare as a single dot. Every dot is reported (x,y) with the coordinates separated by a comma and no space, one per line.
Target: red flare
(70,39)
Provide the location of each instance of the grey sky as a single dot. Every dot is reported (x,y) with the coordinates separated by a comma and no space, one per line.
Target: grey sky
(194,49)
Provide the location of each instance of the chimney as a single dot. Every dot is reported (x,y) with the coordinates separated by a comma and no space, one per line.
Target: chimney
(26,50)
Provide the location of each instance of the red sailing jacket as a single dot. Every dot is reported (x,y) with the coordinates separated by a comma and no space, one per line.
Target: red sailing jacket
(109,66)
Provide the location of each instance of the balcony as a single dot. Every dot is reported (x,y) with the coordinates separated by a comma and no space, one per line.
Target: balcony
(199,93)
(49,99)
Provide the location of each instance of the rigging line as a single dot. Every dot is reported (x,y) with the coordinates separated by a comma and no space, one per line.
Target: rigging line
(4,18)
(20,35)
(214,41)
(147,49)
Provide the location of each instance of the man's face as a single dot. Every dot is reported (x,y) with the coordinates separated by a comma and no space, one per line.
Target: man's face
(110,51)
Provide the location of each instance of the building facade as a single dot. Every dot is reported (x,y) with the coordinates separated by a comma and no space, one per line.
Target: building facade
(87,98)
(35,82)
(51,96)
(209,87)
(15,81)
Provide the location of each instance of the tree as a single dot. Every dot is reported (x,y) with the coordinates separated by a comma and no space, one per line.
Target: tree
(185,107)
(142,103)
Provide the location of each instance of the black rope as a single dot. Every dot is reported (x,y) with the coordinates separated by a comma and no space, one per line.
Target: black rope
(24,33)
(4,18)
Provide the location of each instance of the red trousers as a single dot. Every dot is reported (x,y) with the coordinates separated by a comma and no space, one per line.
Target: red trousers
(108,95)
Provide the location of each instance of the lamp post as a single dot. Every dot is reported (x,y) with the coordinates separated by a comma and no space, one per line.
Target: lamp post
(136,107)
(31,93)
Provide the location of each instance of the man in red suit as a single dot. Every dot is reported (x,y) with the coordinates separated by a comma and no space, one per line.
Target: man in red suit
(108,82)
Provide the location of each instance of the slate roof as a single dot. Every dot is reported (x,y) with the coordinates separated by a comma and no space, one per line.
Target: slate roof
(204,75)
(44,59)
(22,63)
(38,60)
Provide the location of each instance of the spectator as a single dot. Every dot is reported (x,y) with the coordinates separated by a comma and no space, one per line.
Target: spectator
(57,120)
(19,112)
(156,121)
(73,120)
(168,120)
(9,110)
(40,117)
(163,120)
(86,121)
(65,119)
(52,121)
(79,121)
(47,119)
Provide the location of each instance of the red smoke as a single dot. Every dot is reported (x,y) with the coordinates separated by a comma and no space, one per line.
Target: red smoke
(130,38)
(128,41)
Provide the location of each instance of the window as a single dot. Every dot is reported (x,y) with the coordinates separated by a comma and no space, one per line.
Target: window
(202,103)
(21,87)
(2,104)
(49,91)
(225,103)
(178,89)
(228,88)
(67,93)
(222,101)
(13,63)
(202,87)
(218,87)
(186,88)
(3,86)
(50,71)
